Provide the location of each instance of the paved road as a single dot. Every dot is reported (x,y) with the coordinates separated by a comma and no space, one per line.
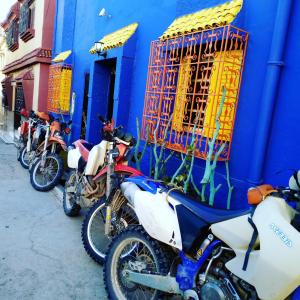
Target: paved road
(41,254)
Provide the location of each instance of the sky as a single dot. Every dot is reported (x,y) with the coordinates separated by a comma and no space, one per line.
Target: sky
(4,8)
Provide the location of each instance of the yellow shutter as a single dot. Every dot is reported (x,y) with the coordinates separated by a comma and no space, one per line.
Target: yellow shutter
(183,83)
(225,72)
(65,89)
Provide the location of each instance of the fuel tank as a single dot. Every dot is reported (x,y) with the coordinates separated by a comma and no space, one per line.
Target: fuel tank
(96,158)
(273,268)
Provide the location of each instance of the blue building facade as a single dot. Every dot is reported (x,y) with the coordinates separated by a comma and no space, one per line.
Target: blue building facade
(265,143)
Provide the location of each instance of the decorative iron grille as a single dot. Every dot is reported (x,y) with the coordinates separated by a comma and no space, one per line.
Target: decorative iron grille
(59,88)
(12,36)
(20,101)
(185,79)
(4,96)
(24,22)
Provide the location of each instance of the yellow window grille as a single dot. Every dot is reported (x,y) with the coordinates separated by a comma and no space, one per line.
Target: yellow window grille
(184,81)
(59,88)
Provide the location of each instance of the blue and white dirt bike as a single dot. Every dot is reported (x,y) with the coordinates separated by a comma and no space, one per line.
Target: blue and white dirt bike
(185,248)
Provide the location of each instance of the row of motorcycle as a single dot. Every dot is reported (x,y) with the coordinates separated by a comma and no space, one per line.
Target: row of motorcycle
(156,242)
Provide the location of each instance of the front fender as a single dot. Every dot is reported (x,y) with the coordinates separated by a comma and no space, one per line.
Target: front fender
(119,169)
(62,143)
(51,141)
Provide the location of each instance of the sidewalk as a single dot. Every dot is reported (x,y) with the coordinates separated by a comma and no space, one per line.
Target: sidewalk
(7,133)
(41,254)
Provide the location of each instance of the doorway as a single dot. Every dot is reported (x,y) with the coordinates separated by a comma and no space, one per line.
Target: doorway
(85,105)
(110,98)
(102,86)
(19,105)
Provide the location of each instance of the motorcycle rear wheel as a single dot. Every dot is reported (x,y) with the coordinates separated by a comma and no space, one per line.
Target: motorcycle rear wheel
(133,245)
(93,237)
(45,179)
(70,205)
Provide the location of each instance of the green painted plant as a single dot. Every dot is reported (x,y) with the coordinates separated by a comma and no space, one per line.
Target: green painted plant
(212,158)
(183,176)
(138,156)
(188,161)
(159,153)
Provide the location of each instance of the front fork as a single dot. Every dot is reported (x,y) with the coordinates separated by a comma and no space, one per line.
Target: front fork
(110,171)
(29,136)
(44,154)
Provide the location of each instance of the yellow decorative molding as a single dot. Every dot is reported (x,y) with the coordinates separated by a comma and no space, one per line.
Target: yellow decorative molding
(117,38)
(206,18)
(62,56)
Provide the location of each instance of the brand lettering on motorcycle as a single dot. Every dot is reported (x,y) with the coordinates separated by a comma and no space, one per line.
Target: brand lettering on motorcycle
(281,235)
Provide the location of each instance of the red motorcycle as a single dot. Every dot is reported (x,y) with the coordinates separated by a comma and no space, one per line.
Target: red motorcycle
(93,166)
(46,167)
(30,135)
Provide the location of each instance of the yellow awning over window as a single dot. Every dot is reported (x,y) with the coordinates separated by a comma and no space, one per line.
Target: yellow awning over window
(117,38)
(62,56)
(206,18)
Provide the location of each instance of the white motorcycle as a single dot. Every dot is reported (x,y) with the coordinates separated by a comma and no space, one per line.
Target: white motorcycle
(186,248)
(93,165)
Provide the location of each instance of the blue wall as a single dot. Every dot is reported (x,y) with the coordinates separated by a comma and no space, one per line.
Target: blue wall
(81,27)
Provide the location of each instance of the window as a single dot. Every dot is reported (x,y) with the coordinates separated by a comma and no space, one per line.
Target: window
(4,96)
(26,23)
(20,101)
(185,79)
(59,88)
(12,36)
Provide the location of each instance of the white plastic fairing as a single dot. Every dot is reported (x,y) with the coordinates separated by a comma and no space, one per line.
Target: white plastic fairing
(274,269)
(96,158)
(157,217)
(236,232)
(73,158)
(129,189)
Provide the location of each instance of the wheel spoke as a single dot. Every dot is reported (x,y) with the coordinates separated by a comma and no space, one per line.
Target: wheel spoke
(135,252)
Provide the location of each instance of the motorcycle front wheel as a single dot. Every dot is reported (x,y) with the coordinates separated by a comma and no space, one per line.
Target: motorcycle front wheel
(93,236)
(133,250)
(23,157)
(44,178)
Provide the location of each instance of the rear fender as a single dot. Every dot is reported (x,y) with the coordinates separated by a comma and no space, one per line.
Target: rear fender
(83,151)
(118,169)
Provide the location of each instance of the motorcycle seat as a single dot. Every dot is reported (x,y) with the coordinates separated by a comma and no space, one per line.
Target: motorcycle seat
(209,214)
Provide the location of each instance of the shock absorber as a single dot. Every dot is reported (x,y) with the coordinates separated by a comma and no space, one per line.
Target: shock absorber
(204,245)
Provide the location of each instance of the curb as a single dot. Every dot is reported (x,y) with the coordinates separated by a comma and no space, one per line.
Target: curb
(58,192)
(6,141)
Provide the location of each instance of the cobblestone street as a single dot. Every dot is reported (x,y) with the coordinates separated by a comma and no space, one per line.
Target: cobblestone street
(41,254)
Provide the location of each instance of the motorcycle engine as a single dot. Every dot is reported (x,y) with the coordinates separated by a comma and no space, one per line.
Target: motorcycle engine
(214,289)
